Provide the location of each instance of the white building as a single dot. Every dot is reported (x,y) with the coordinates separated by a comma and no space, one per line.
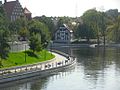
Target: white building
(63,34)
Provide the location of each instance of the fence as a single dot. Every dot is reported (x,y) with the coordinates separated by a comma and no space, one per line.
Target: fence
(36,67)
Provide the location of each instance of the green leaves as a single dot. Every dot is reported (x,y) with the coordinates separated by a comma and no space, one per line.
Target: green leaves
(4,46)
(37,27)
(35,42)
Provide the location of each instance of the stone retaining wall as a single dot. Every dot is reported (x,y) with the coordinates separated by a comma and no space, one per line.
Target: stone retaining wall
(38,69)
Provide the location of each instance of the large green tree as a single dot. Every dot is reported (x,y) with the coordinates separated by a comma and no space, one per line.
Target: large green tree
(48,21)
(37,27)
(113,30)
(35,42)
(4,32)
(19,27)
(83,31)
(94,20)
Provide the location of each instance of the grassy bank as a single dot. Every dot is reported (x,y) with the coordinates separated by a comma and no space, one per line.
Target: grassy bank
(18,58)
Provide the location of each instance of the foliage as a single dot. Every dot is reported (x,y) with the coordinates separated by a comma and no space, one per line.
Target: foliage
(64,20)
(4,46)
(19,27)
(24,33)
(84,32)
(3,20)
(35,42)
(37,27)
(18,58)
(97,22)
(48,22)
(113,25)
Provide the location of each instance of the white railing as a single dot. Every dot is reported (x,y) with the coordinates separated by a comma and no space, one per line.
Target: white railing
(38,66)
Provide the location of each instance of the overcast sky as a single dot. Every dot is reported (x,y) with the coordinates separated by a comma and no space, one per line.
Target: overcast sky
(67,7)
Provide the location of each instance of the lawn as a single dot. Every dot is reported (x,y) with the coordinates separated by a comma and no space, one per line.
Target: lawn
(18,58)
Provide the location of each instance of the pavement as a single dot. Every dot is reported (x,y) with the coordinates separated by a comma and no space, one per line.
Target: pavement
(43,66)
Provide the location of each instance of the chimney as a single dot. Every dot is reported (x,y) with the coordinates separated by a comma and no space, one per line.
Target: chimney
(5,1)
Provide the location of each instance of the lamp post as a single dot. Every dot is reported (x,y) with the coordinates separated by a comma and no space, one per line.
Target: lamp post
(45,51)
(51,42)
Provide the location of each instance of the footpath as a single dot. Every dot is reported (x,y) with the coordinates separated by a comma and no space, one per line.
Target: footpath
(45,68)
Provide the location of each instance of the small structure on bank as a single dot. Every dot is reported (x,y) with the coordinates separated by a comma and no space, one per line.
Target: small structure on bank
(63,34)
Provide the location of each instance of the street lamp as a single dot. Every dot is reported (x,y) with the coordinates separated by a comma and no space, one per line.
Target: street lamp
(45,51)
(51,42)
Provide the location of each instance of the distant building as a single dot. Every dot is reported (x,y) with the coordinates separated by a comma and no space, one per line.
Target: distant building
(63,34)
(112,12)
(14,10)
(0,3)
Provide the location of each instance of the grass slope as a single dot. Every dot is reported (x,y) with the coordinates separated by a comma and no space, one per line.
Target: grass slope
(18,58)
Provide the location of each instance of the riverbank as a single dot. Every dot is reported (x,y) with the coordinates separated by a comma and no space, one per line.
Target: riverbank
(57,45)
(28,57)
(39,69)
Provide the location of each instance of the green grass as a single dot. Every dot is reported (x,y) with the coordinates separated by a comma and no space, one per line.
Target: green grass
(18,58)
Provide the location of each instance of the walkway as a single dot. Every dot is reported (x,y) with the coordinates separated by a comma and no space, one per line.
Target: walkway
(59,57)
(59,60)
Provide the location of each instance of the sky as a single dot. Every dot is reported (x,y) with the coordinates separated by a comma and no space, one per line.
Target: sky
(70,8)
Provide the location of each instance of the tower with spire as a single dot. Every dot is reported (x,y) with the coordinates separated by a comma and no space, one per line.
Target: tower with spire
(14,9)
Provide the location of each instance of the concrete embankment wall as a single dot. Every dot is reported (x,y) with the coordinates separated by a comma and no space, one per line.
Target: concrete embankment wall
(39,69)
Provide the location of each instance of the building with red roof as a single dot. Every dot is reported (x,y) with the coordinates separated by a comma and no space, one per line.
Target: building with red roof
(14,10)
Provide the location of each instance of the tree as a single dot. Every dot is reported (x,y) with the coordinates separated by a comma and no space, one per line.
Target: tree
(114,30)
(4,32)
(84,32)
(103,26)
(37,27)
(35,42)
(48,21)
(19,27)
(24,33)
(93,19)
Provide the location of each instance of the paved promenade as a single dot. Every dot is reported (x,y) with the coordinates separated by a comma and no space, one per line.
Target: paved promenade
(59,60)
(59,57)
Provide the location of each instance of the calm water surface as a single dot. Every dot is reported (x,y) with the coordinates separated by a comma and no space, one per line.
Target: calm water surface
(96,69)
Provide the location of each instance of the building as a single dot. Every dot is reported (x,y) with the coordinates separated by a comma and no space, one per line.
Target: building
(63,34)
(112,13)
(0,3)
(27,13)
(14,10)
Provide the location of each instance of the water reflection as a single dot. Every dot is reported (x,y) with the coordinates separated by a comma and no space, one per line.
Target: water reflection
(100,65)
(97,69)
(36,83)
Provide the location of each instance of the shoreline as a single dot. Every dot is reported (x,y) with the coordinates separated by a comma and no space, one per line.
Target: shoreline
(59,63)
(83,45)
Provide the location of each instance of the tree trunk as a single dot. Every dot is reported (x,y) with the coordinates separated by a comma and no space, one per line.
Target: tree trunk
(104,40)
(98,40)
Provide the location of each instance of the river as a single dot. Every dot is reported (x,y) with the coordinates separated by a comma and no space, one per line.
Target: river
(96,69)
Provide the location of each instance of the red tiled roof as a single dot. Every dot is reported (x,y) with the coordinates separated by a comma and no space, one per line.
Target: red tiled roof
(9,6)
(26,11)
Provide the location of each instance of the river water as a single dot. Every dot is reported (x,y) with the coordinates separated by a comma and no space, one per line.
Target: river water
(96,69)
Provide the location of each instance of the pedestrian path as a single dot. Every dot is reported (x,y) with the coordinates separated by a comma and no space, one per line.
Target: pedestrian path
(59,60)
(45,68)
